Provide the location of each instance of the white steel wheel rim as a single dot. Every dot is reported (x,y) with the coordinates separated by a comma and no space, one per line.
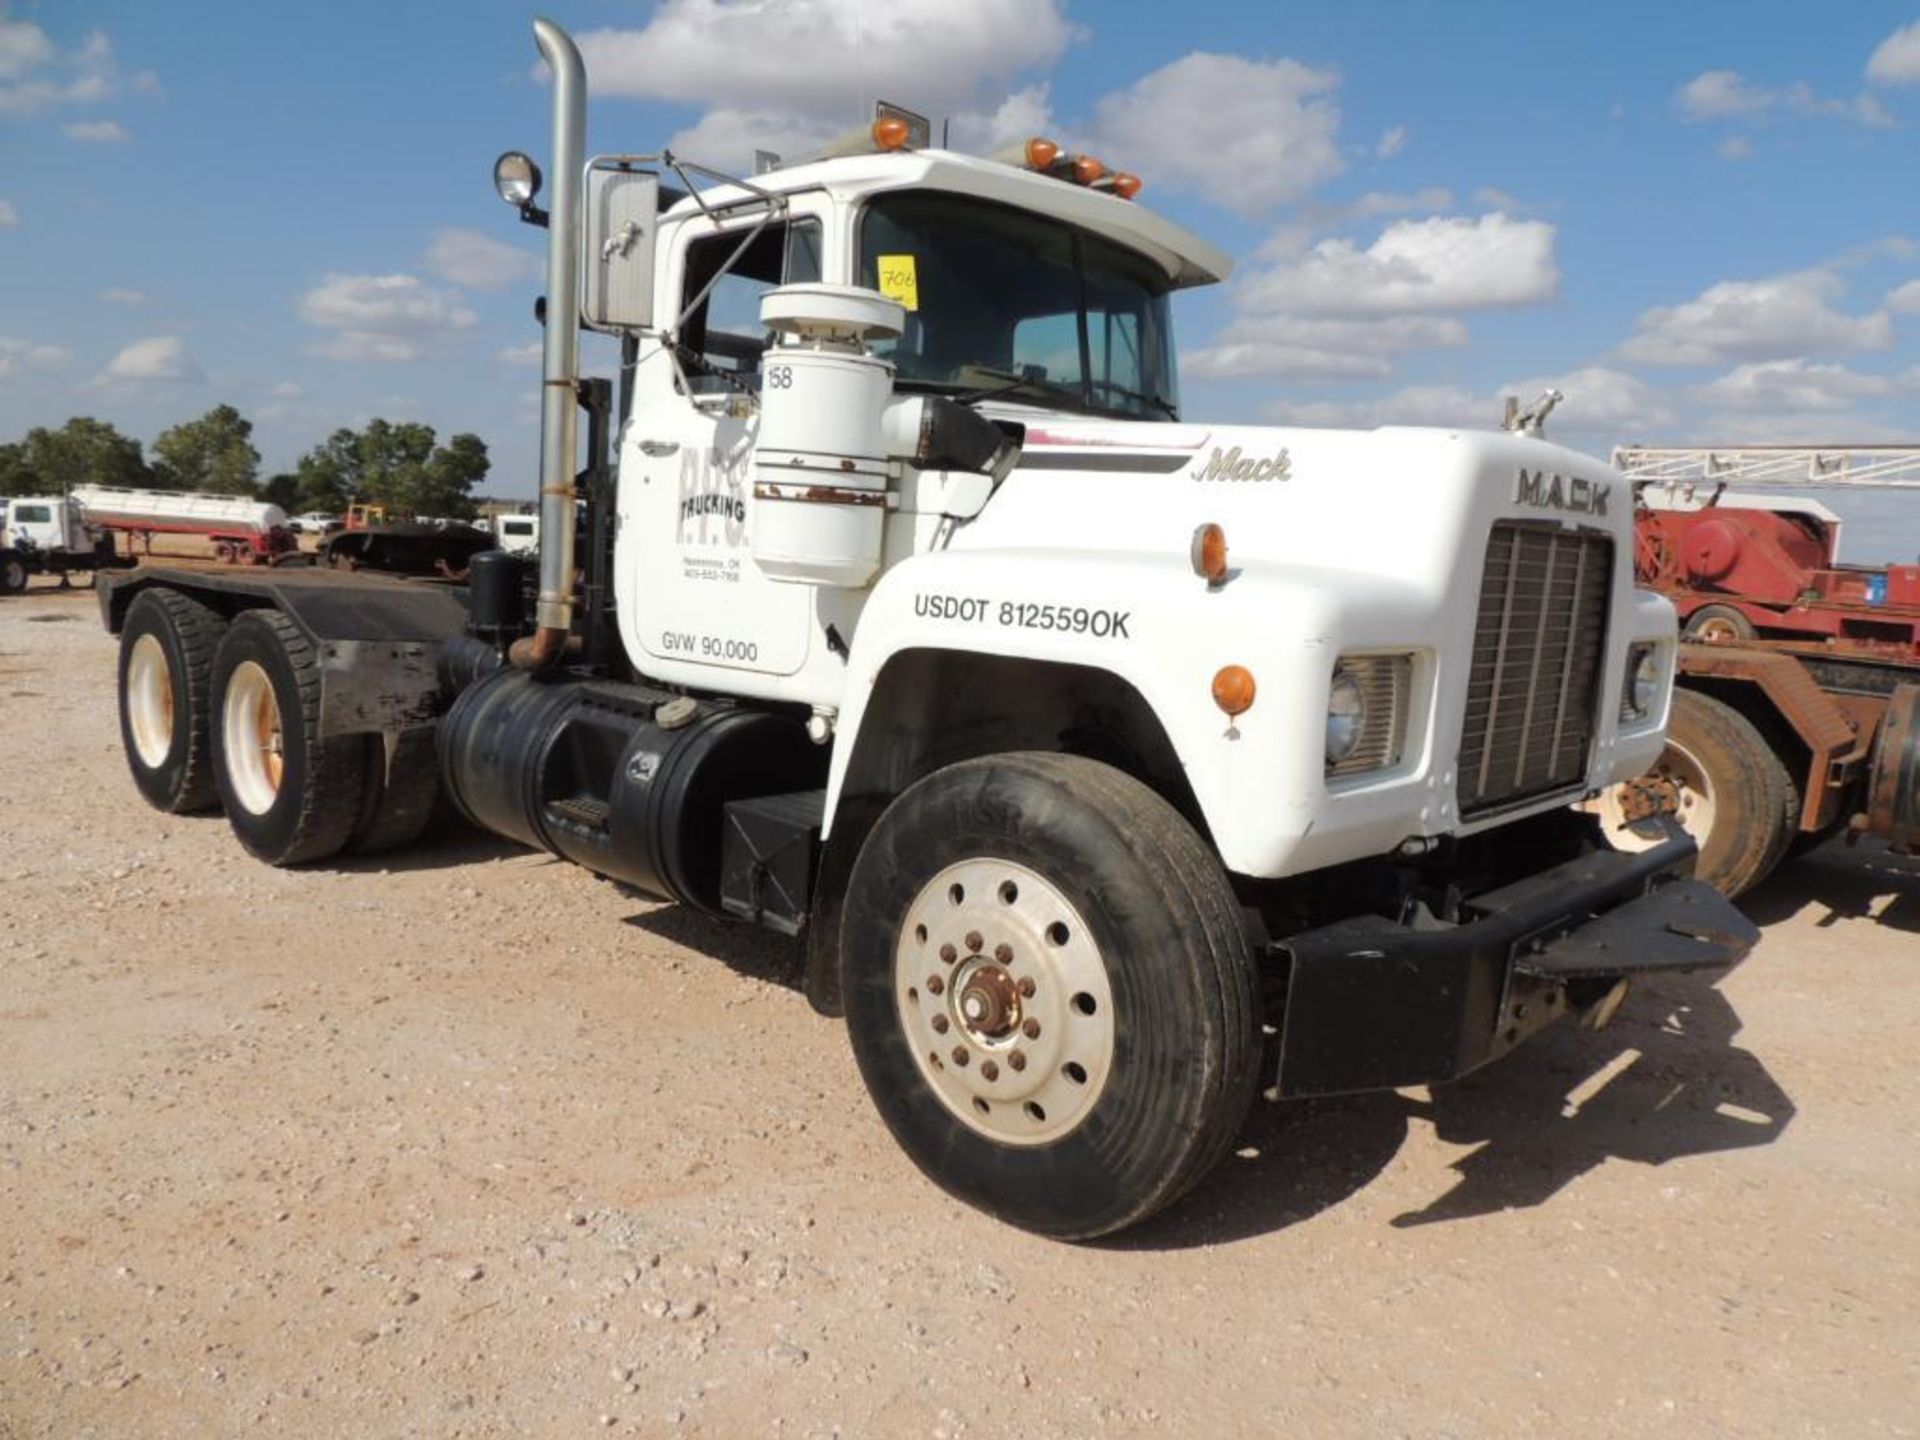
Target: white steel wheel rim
(1004,1000)
(16,574)
(1716,628)
(150,701)
(1693,794)
(254,744)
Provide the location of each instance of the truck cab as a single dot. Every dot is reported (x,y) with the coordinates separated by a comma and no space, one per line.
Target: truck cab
(1111,763)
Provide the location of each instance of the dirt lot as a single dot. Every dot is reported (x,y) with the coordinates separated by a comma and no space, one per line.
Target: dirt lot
(472,1143)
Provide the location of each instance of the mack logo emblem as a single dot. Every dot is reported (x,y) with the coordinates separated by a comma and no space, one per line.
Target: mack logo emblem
(1561,492)
(1232,465)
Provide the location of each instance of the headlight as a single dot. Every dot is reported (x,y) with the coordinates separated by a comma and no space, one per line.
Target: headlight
(1642,690)
(1346,716)
(516,178)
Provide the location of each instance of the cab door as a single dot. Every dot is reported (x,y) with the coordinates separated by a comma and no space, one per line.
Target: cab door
(697,595)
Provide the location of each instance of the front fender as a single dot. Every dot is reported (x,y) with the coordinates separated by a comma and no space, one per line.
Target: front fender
(1151,622)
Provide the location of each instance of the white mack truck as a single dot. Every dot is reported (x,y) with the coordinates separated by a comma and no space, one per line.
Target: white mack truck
(1111,765)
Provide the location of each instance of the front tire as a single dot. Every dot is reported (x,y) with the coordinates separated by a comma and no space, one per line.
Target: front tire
(291,796)
(13,574)
(167,645)
(1049,991)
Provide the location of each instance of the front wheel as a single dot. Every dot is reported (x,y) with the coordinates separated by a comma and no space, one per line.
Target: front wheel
(1049,991)
(13,574)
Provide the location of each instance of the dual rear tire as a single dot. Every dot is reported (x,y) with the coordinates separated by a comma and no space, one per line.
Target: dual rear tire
(227,712)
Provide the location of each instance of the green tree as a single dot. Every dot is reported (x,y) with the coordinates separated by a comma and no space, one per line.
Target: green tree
(15,477)
(84,451)
(282,490)
(214,454)
(393,463)
(452,472)
(328,475)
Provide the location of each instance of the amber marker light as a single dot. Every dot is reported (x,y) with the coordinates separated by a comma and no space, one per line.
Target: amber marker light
(1233,690)
(1209,553)
(1086,169)
(890,132)
(1126,186)
(1041,153)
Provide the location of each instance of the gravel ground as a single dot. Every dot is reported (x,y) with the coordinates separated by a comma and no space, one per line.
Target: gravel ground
(471,1143)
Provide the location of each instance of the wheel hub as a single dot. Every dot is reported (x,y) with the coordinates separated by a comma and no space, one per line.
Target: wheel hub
(1004,999)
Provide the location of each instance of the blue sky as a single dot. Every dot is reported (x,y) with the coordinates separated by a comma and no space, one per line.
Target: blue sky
(1696,218)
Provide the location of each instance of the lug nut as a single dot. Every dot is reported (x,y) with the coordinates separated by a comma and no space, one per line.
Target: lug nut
(949,954)
(974,942)
(960,1056)
(1003,952)
(1031,1029)
(1027,987)
(989,1071)
(935,984)
(941,1024)
(1017,1059)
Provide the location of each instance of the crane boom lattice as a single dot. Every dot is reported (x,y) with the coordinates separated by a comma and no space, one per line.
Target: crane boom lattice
(1865,467)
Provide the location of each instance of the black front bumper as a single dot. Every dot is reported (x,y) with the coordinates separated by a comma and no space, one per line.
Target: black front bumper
(1371,1004)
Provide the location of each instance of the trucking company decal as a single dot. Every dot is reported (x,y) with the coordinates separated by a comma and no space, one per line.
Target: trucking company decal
(1560,492)
(712,514)
(1023,615)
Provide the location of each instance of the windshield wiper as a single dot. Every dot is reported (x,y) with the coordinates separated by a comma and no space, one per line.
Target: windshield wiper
(1010,382)
(1159,402)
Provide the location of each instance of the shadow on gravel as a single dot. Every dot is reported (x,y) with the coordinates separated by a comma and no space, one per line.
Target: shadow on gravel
(1860,882)
(444,847)
(1662,1082)
(744,949)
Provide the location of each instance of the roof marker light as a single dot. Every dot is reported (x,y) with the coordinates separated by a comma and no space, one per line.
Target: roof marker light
(890,132)
(1086,169)
(1041,153)
(1126,185)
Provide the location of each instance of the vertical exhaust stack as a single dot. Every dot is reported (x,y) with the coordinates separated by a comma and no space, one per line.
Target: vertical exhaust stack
(560,366)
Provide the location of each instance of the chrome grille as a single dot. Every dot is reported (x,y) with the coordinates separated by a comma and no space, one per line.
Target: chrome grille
(1537,656)
(1383,680)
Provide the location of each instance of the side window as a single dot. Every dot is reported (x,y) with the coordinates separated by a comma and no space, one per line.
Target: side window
(723,339)
(32,514)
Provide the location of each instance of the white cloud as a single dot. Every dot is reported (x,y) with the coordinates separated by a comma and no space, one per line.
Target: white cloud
(23,46)
(1437,264)
(1781,386)
(34,75)
(1599,400)
(1446,405)
(1736,320)
(1319,348)
(1896,60)
(1245,134)
(381,317)
(9,217)
(286,390)
(1735,147)
(478,261)
(16,355)
(782,77)
(530,353)
(1728,95)
(1023,114)
(1722,95)
(120,295)
(106,132)
(1600,403)
(1392,142)
(162,358)
(1905,298)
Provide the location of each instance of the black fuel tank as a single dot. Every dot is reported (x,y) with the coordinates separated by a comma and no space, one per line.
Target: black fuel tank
(584,769)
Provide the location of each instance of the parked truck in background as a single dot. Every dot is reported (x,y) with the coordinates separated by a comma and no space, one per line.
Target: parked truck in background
(1111,765)
(1798,710)
(49,535)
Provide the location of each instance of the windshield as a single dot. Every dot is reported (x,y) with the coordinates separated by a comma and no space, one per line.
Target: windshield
(1006,301)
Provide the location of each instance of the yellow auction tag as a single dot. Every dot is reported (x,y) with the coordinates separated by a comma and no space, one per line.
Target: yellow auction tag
(900,280)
